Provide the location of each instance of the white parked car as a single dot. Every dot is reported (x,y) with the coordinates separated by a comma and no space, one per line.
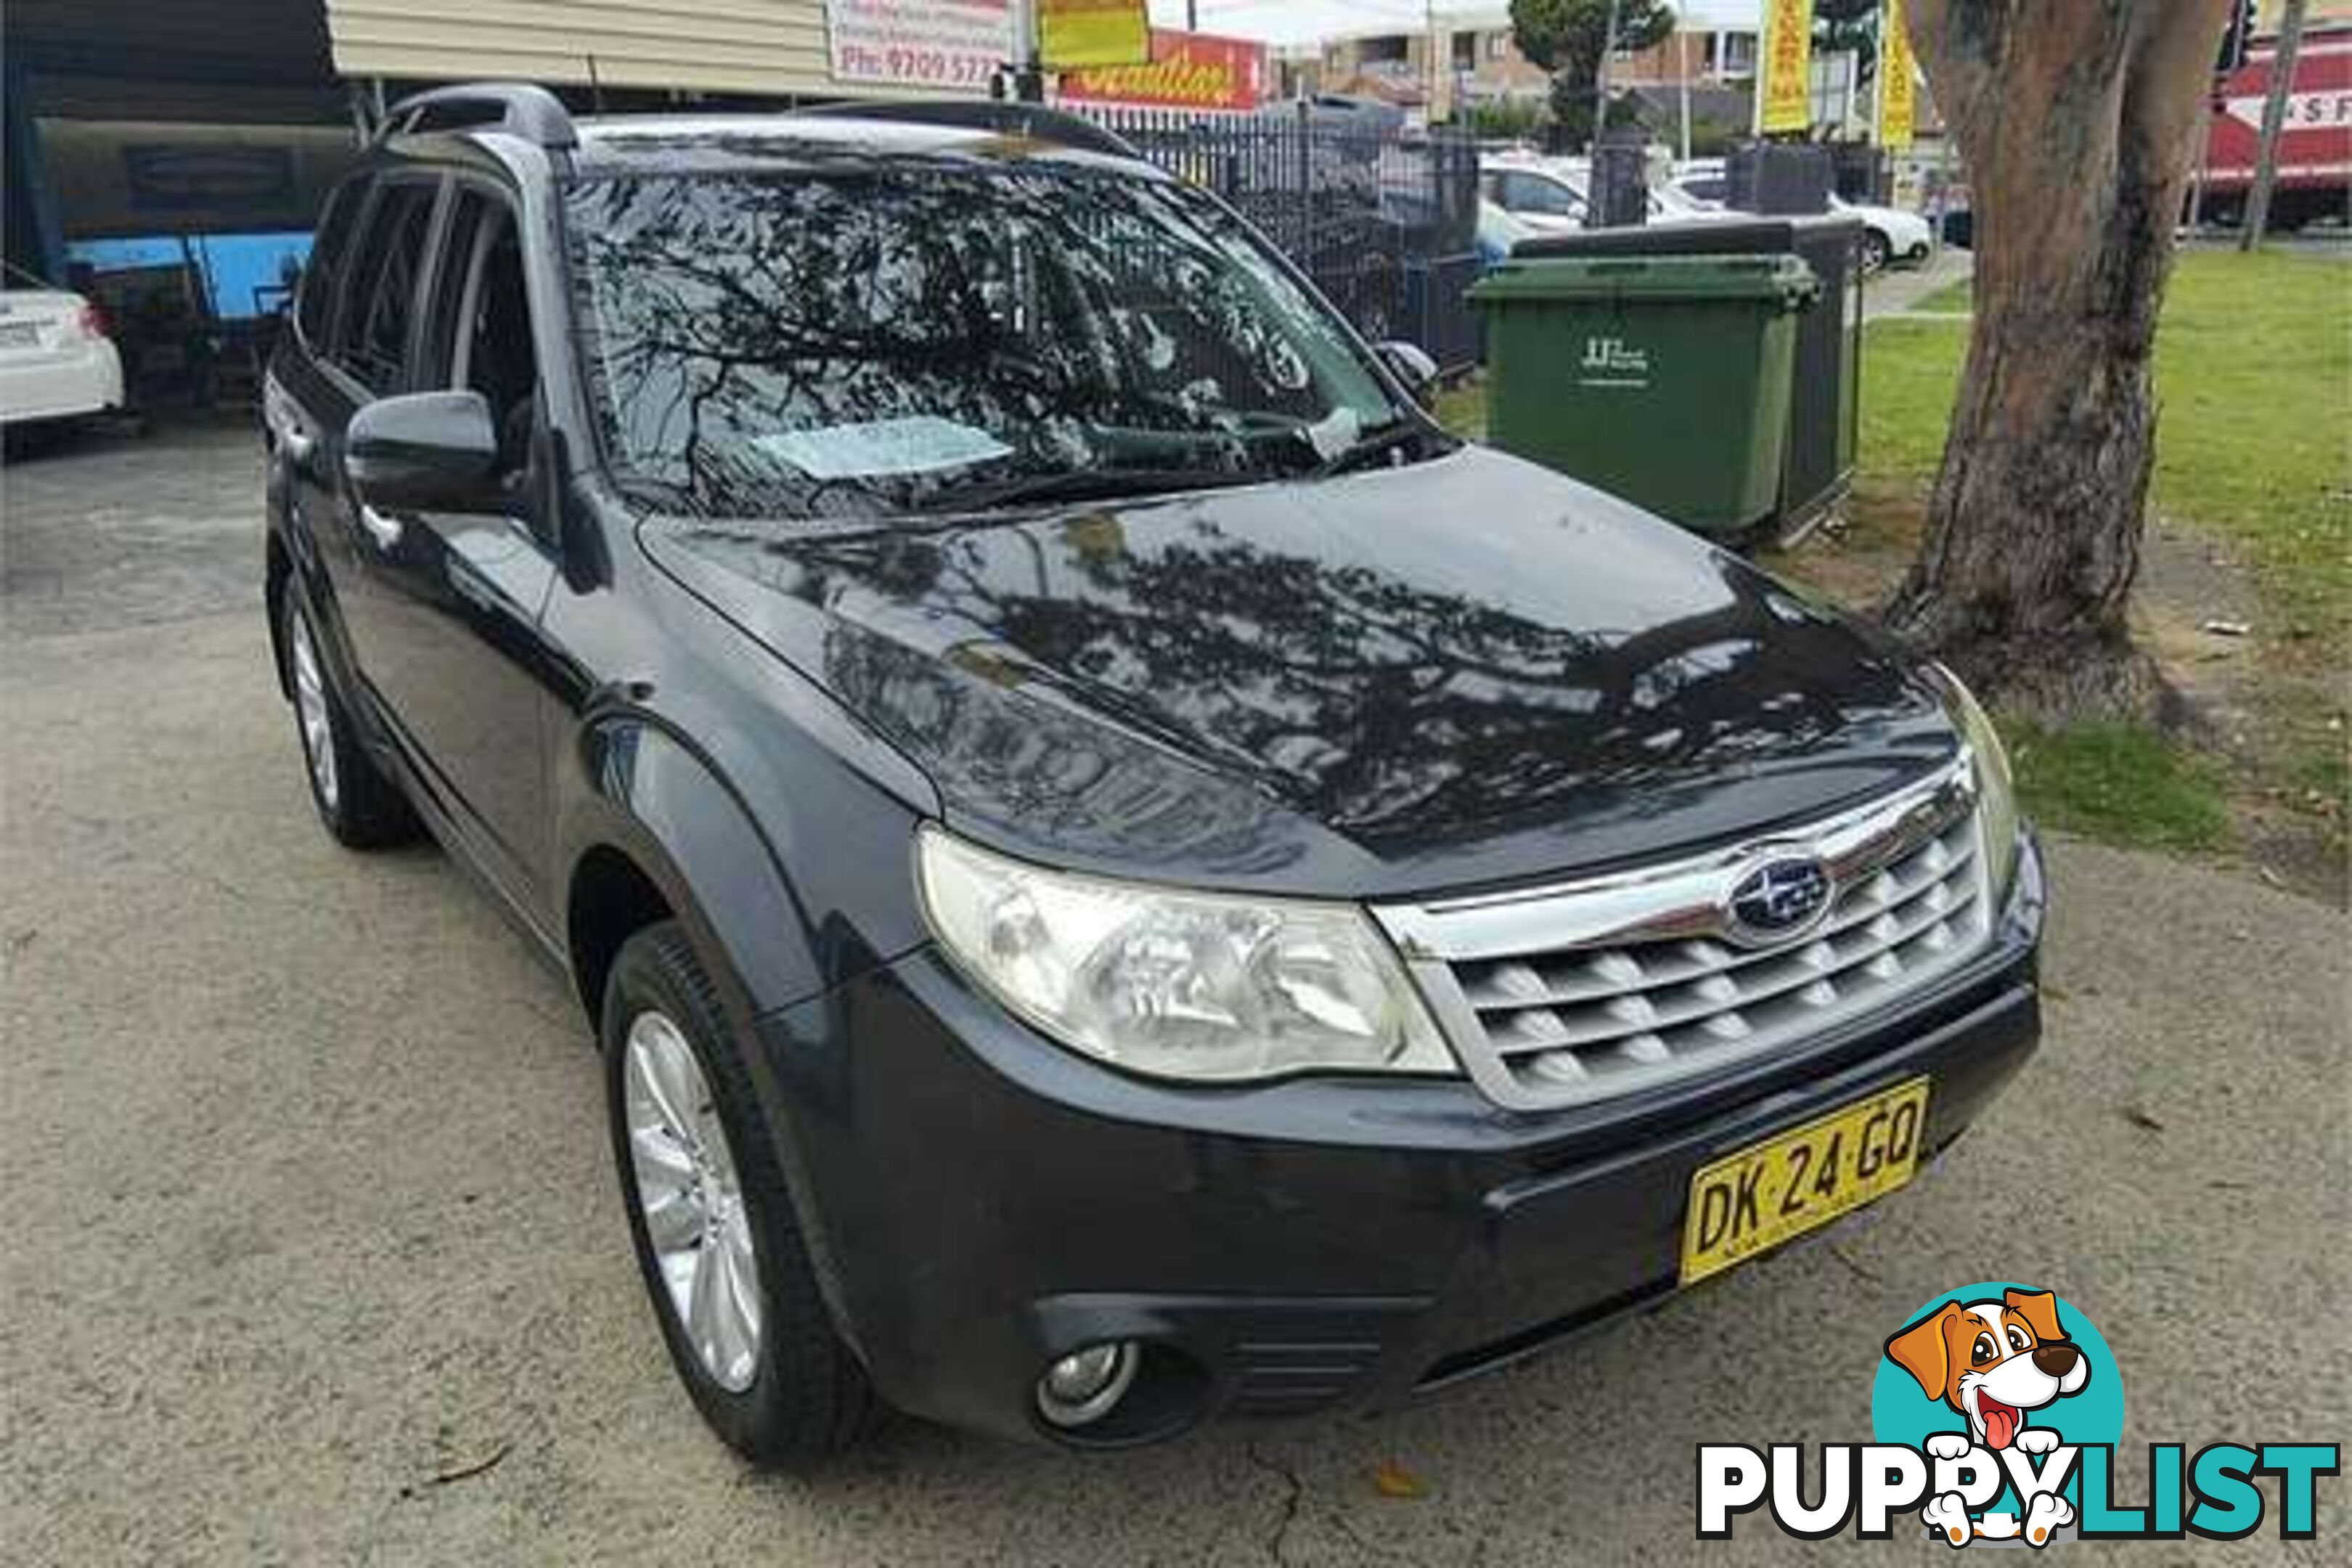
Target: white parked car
(1548,195)
(55,359)
(1669,204)
(1498,232)
(1889,235)
(1543,194)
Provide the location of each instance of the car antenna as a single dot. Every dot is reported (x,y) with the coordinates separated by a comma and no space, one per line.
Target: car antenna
(596,87)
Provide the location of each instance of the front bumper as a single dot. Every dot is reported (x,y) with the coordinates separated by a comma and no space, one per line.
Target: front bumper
(979,1201)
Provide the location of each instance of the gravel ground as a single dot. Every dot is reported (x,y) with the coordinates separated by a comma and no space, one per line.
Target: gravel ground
(315,1212)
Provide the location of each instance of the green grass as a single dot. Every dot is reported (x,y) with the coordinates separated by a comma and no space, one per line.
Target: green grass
(2254,437)
(2324,773)
(1910,371)
(2255,428)
(2125,784)
(1462,408)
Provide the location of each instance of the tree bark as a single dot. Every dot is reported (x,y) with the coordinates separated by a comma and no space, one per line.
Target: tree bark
(2076,121)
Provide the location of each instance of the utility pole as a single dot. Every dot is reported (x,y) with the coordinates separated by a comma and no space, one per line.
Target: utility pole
(1600,77)
(2282,58)
(1682,70)
(1028,72)
(1430,89)
(1191,16)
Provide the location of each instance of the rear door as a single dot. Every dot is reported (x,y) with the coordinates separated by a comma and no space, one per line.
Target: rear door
(449,622)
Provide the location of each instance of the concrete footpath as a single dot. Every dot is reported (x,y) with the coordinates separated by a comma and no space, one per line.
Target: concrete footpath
(1894,291)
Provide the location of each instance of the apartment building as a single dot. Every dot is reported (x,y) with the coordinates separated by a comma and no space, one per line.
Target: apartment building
(1467,54)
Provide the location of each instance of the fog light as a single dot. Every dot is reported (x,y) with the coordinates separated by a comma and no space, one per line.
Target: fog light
(1082,1387)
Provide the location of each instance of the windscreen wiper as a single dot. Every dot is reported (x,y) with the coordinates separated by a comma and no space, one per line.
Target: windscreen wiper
(1377,442)
(1087,484)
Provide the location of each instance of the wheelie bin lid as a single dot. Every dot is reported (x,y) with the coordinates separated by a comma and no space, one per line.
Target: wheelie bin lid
(1785,281)
(1698,236)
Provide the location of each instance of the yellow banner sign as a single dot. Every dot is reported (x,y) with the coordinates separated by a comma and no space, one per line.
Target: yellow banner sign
(1898,105)
(1784,68)
(1082,35)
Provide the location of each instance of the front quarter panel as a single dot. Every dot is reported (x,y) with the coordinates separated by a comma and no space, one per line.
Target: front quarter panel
(713,768)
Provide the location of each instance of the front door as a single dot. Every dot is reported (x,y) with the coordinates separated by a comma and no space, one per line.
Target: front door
(450,623)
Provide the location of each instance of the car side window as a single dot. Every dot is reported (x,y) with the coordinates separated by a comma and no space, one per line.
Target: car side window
(478,337)
(1533,194)
(315,310)
(372,340)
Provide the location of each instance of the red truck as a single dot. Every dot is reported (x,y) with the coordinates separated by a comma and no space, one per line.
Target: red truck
(2314,167)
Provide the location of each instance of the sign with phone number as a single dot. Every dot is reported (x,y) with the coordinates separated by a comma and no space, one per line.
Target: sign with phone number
(950,44)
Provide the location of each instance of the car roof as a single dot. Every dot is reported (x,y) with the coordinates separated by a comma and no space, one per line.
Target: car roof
(755,142)
(1560,169)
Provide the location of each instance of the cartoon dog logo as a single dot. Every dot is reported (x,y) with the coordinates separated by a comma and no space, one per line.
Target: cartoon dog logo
(1995,1362)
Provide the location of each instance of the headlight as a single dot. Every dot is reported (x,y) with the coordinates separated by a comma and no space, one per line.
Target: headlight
(1996,793)
(1177,985)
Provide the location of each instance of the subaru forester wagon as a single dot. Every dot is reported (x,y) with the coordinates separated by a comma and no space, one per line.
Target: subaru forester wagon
(1121,876)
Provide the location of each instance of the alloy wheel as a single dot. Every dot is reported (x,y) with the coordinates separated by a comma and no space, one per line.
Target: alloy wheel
(692,1201)
(310,708)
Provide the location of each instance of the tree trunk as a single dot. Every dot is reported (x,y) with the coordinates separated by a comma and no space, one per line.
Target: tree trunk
(2077,120)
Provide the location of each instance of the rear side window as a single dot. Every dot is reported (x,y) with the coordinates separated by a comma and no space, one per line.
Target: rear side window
(318,274)
(380,299)
(1532,193)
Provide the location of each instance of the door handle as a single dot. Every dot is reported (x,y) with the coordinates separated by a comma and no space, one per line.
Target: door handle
(299,445)
(384,530)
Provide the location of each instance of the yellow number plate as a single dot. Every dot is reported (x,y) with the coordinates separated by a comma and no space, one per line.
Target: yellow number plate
(1748,1203)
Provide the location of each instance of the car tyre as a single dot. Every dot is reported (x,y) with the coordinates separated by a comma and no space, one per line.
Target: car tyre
(1876,251)
(362,808)
(700,1179)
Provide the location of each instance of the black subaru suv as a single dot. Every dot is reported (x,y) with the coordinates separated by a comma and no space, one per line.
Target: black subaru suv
(1121,876)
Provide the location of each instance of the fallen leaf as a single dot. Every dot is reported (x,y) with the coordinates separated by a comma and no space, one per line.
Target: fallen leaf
(2141,1118)
(460,1472)
(1392,1479)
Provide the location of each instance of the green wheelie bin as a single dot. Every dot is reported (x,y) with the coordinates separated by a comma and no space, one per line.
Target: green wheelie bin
(1665,380)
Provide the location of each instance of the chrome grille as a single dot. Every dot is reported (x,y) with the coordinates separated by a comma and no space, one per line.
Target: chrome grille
(1579,993)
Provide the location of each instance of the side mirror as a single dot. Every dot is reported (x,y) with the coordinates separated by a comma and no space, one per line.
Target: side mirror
(1411,364)
(423,451)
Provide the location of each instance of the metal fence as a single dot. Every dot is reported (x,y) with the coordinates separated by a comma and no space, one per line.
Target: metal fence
(1384,219)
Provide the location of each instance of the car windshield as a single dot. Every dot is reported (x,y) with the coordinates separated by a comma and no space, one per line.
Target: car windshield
(878,341)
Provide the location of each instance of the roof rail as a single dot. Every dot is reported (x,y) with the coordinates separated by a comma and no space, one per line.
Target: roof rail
(520,108)
(1030,120)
